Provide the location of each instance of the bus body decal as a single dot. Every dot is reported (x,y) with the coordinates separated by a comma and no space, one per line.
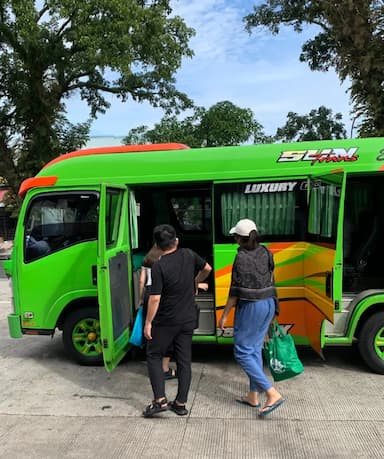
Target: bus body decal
(319,156)
(300,273)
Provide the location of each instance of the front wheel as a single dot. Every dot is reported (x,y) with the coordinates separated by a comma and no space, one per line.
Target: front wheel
(82,338)
(371,342)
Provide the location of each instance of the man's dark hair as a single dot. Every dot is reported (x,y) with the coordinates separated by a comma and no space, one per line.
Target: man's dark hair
(164,236)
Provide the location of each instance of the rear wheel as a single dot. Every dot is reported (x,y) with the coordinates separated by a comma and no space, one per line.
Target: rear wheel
(81,336)
(371,342)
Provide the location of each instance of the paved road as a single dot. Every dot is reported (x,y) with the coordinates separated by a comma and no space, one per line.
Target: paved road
(52,408)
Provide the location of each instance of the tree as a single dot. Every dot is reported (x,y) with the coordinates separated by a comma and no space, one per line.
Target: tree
(319,124)
(169,129)
(351,40)
(226,124)
(53,49)
(222,124)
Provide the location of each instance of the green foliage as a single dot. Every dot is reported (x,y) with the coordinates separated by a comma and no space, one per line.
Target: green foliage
(226,124)
(222,124)
(169,129)
(319,124)
(53,49)
(350,40)
(68,136)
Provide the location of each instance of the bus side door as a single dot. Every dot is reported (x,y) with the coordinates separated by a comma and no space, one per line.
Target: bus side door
(113,273)
(323,261)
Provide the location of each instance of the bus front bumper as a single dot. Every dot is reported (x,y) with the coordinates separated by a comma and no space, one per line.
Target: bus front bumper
(14,326)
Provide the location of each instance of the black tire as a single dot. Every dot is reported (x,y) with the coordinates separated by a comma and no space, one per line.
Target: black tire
(81,336)
(371,342)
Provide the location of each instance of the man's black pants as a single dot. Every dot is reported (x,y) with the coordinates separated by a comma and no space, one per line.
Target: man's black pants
(180,338)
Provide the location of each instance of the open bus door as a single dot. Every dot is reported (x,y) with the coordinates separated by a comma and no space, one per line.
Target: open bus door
(113,267)
(323,265)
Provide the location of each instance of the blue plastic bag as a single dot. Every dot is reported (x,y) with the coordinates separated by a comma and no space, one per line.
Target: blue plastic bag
(137,336)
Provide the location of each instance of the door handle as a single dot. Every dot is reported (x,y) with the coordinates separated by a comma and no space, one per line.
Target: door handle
(329,283)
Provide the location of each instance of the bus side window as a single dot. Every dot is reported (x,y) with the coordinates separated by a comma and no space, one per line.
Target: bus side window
(279,209)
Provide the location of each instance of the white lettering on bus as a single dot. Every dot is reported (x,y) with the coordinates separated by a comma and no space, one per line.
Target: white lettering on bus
(273,187)
(324,155)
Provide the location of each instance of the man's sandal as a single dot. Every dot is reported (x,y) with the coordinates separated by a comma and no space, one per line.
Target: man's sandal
(178,409)
(155,407)
(170,374)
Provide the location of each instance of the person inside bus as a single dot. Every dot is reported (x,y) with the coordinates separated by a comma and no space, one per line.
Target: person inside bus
(254,295)
(36,248)
(171,317)
(144,289)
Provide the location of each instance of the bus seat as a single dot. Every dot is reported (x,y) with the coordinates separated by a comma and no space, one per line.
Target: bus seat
(368,243)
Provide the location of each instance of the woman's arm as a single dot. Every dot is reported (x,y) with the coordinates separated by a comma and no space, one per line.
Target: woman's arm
(231,302)
(142,281)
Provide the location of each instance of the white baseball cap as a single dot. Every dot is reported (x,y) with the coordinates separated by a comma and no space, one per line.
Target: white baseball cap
(243,227)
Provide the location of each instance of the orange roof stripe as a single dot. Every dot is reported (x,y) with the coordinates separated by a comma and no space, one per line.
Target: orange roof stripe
(119,149)
(34,182)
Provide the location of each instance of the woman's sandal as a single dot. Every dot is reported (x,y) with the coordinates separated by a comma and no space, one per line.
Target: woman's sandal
(170,374)
(155,407)
(269,408)
(245,401)
(178,409)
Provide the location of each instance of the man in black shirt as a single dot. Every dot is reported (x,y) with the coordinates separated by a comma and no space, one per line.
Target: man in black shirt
(171,317)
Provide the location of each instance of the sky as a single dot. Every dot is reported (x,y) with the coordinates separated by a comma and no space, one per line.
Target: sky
(259,71)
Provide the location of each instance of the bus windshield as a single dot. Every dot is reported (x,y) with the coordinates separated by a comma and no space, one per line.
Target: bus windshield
(56,221)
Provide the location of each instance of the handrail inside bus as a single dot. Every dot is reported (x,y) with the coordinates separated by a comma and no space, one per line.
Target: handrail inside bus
(119,149)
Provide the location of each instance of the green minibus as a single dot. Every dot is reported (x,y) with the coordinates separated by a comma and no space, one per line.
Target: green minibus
(87,218)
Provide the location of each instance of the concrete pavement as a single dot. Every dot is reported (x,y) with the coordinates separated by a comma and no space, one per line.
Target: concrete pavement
(53,408)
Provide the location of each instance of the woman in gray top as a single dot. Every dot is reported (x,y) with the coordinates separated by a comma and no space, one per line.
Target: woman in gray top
(253,293)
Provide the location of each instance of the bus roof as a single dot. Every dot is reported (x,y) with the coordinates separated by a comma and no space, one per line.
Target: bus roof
(119,149)
(248,162)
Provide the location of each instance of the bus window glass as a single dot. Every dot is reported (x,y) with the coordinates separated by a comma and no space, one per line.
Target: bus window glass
(192,213)
(54,222)
(112,215)
(323,211)
(278,208)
